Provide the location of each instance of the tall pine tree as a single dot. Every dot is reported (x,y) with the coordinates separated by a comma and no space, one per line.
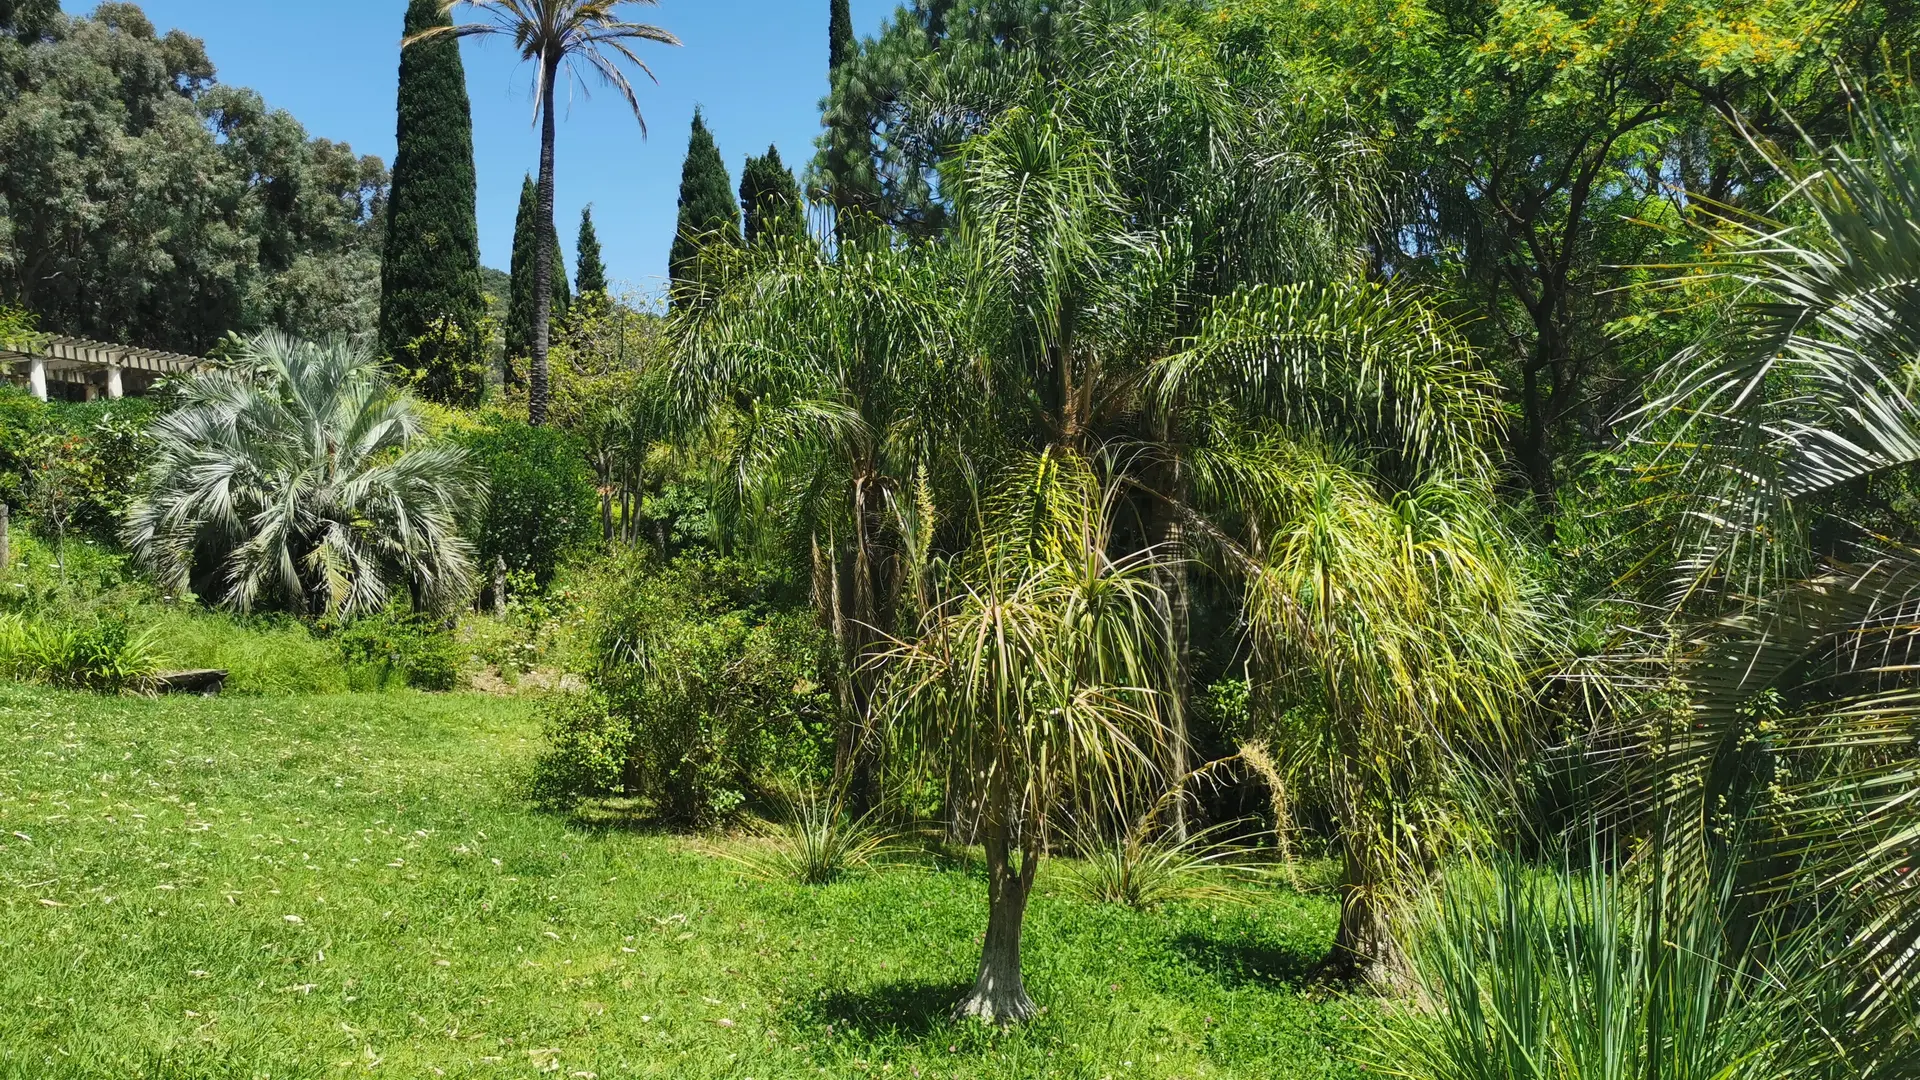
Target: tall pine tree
(520,285)
(770,199)
(430,296)
(590,279)
(708,212)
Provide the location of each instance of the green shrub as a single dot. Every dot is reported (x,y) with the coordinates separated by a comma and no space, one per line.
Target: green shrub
(82,459)
(542,504)
(417,649)
(71,583)
(706,690)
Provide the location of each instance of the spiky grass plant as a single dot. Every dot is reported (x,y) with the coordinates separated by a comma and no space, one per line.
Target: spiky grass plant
(1153,866)
(817,843)
(1157,860)
(1608,974)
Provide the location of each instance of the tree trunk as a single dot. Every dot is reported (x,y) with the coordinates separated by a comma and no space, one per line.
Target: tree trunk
(1175,587)
(543,251)
(606,509)
(863,780)
(999,995)
(1364,947)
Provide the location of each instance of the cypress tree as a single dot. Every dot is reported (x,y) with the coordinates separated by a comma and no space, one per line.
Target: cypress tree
(840,43)
(770,199)
(521,271)
(590,279)
(708,212)
(430,296)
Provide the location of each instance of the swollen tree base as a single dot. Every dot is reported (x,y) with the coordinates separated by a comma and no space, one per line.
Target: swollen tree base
(1364,947)
(999,995)
(996,1003)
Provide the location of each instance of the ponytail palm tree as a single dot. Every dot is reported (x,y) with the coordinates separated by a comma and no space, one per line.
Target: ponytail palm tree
(557,35)
(1036,680)
(300,479)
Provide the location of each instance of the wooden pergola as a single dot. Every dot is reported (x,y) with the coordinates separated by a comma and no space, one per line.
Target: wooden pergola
(95,367)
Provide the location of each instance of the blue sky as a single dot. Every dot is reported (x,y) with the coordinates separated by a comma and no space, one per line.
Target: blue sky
(757,68)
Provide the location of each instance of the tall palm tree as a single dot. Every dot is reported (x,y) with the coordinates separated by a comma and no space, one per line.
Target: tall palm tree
(557,35)
(300,478)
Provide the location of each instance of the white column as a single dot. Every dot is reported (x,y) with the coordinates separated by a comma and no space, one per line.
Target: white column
(37,376)
(89,391)
(113,380)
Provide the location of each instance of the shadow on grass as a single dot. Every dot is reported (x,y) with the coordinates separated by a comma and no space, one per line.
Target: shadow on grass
(908,1007)
(609,815)
(1247,963)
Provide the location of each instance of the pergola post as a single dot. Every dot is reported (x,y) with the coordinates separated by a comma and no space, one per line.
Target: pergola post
(37,376)
(114,389)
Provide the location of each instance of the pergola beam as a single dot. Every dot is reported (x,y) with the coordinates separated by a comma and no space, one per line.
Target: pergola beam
(77,360)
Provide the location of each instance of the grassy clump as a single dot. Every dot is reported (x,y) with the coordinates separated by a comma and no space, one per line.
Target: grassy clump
(308,887)
(260,655)
(817,842)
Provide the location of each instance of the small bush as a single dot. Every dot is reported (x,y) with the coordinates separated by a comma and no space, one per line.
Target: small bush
(83,458)
(542,504)
(707,691)
(416,649)
(106,655)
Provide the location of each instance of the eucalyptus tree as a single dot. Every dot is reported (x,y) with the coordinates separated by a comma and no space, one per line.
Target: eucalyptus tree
(830,379)
(556,36)
(1033,679)
(299,478)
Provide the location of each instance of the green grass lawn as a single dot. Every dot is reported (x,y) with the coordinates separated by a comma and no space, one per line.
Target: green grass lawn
(331,886)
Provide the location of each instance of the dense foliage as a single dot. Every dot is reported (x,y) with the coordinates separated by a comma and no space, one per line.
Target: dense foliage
(709,215)
(522,295)
(590,274)
(142,201)
(541,501)
(80,460)
(708,692)
(770,200)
